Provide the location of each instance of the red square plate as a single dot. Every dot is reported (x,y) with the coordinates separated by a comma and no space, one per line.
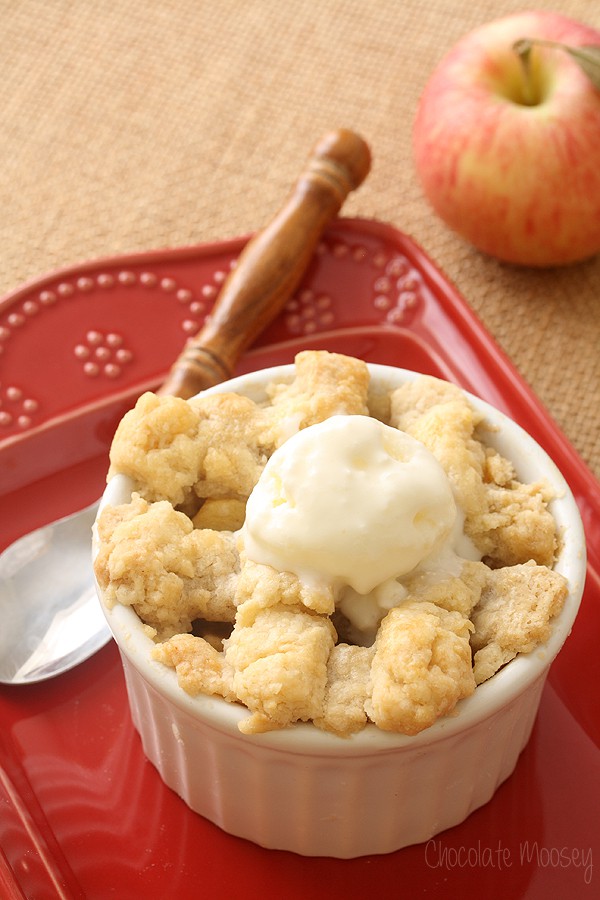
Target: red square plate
(82,813)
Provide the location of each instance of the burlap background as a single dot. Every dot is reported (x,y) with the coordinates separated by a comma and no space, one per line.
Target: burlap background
(132,125)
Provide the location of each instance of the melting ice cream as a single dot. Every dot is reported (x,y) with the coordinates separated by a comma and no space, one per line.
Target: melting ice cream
(351,501)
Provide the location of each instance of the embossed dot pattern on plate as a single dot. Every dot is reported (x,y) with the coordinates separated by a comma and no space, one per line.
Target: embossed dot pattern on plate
(116,326)
(396,290)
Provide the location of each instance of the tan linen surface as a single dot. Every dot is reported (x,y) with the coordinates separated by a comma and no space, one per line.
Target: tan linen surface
(133,125)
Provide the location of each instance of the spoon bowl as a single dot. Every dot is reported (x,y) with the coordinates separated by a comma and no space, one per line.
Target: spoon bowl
(49,609)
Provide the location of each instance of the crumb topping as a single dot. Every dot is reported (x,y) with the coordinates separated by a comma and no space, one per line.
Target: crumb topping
(282,647)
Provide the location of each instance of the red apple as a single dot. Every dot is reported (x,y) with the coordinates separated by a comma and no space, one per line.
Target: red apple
(518,176)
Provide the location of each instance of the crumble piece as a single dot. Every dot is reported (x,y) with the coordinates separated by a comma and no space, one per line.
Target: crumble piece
(153,559)
(346,690)
(455,593)
(280,666)
(200,668)
(507,521)
(214,445)
(440,416)
(514,614)
(156,445)
(421,667)
(260,587)
(518,525)
(235,440)
(326,384)
(497,469)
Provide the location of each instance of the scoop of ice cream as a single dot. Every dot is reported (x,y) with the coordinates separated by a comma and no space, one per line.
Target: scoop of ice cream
(351,501)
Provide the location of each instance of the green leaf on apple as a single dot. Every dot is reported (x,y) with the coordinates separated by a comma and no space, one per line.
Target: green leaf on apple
(586,56)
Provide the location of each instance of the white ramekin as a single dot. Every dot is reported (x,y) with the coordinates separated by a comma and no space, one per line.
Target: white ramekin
(317,794)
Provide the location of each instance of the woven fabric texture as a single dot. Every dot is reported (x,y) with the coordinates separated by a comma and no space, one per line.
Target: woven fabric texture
(129,126)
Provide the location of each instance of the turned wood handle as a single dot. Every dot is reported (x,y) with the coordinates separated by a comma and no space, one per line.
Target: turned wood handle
(271,265)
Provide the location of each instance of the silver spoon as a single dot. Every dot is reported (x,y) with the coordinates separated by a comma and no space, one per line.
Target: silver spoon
(50,618)
(61,622)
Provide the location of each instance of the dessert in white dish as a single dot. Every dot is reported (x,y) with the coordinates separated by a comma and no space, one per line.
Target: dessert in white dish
(380,678)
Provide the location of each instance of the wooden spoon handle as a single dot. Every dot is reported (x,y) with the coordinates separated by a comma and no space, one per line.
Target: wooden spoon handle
(271,265)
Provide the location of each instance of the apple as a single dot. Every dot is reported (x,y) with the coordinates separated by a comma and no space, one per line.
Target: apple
(511,162)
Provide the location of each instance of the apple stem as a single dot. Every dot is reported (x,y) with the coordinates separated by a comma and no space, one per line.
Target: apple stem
(587,58)
(523,48)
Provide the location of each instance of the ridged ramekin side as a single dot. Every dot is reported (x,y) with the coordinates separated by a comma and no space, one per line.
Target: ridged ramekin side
(319,805)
